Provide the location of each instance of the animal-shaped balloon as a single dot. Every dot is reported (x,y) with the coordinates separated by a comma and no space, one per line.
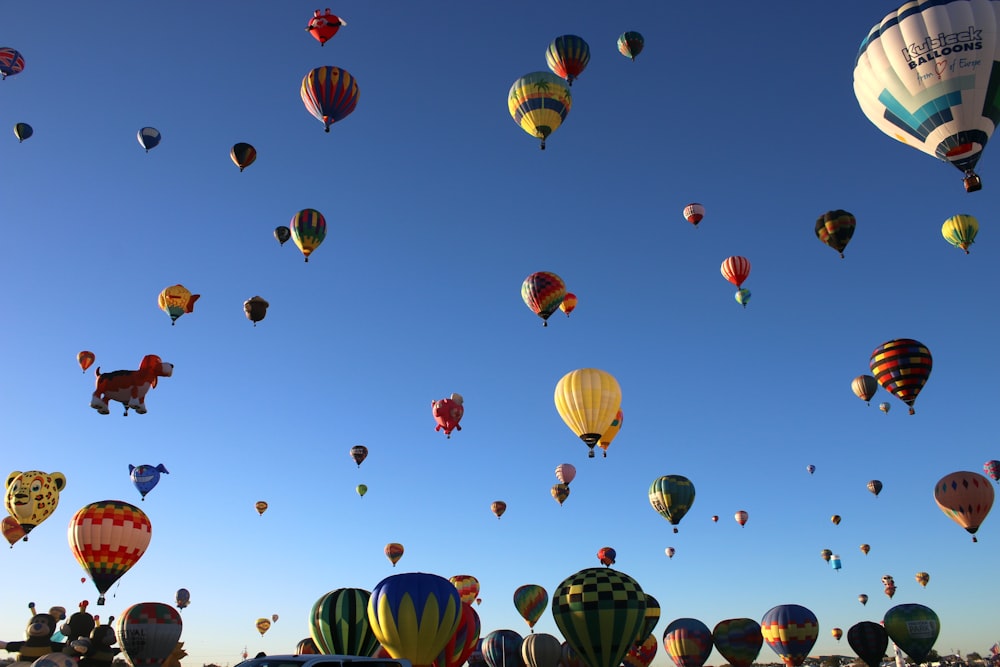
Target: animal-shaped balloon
(447,413)
(37,638)
(129,387)
(32,496)
(100,649)
(175,301)
(145,477)
(324,26)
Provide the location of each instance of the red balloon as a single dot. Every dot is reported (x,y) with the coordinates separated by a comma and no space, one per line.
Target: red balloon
(324,26)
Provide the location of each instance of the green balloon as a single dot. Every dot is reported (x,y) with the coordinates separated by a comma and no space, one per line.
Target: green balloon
(599,612)
(339,623)
(914,628)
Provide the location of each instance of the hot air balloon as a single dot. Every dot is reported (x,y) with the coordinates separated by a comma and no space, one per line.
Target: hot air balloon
(810,468)
(966,498)
(569,657)
(538,102)
(670,551)
(791,631)
(307,646)
(992,468)
(32,496)
(464,641)
(531,600)
(242,155)
(835,562)
(330,94)
(923,578)
(837,633)
(887,579)
(308,228)
(448,412)
(607,556)
(11,62)
(567,57)
(145,477)
(502,648)
(85,358)
(588,399)
(565,472)
(826,555)
(741,517)
(282,234)
(323,27)
(641,654)
(394,551)
(630,44)
(175,301)
(960,231)
(650,617)
(560,492)
(359,453)
(736,269)
(414,615)
(611,432)
(715,518)
(361,489)
(875,486)
(694,213)
(671,496)
(688,642)
(905,83)
(148,633)
(498,507)
(835,519)
(738,640)
(913,628)
(182,598)
(865,549)
(148,137)
(870,641)
(467,587)
(338,623)
(543,292)
(107,538)
(260,506)
(864,387)
(568,304)
(742,296)
(863,599)
(884,407)
(600,612)
(22,131)
(902,366)
(255,308)
(263,625)
(835,229)
(12,531)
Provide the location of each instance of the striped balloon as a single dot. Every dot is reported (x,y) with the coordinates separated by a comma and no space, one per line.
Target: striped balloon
(463,642)
(735,269)
(835,229)
(630,44)
(540,650)
(543,291)
(650,617)
(414,614)
(739,640)
(902,366)
(308,228)
(599,611)
(539,102)
(107,538)
(641,655)
(338,623)
(790,630)
(671,496)
(568,56)
(502,648)
(467,586)
(688,642)
(960,231)
(330,94)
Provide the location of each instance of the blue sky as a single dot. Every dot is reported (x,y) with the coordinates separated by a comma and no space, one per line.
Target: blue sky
(437,207)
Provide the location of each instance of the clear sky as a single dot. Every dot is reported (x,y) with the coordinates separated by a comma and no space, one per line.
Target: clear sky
(438,206)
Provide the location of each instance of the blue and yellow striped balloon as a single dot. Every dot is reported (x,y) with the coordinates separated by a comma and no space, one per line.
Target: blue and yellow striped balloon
(791,631)
(414,614)
(539,102)
(308,228)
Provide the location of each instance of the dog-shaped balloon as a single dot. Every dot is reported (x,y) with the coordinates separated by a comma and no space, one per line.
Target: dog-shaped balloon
(129,387)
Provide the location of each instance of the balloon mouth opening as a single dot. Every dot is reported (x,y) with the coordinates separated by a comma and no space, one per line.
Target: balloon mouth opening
(962,149)
(591,440)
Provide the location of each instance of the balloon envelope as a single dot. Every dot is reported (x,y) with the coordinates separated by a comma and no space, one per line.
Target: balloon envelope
(791,631)
(835,229)
(588,399)
(565,472)
(149,138)
(107,538)
(338,623)
(540,650)
(567,56)
(308,228)
(902,366)
(148,633)
(330,94)
(146,477)
(630,44)
(243,155)
(539,102)
(414,615)
(864,387)
(688,642)
(543,292)
(394,551)
(671,496)
(467,587)
(531,600)
(502,648)
(966,498)
(913,628)
(738,640)
(22,131)
(869,640)
(359,453)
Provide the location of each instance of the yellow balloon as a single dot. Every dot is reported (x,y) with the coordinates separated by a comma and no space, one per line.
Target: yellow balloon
(960,231)
(588,399)
(539,102)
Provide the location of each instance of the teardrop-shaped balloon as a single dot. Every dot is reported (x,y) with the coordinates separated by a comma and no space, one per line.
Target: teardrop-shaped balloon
(148,137)
(560,492)
(736,269)
(467,587)
(875,486)
(338,623)
(543,292)
(863,599)
(394,551)
(498,507)
(826,555)
(307,646)
(913,628)
(460,646)
(330,94)
(865,548)
(641,655)
(260,506)
(107,538)
(359,453)
(182,598)
(588,399)
(531,601)
(308,228)
(741,517)
(791,631)
(86,359)
(630,44)
(902,366)
(539,103)
(738,640)
(966,498)
(923,578)
(607,556)
(567,57)
(609,434)
(869,640)
(243,155)
(148,633)
(361,489)
(688,642)
(502,648)
(414,615)
(992,468)
(650,618)
(282,234)
(565,472)
(864,387)
(568,304)
(671,496)
(23,131)
(835,229)
(694,213)
(599,611)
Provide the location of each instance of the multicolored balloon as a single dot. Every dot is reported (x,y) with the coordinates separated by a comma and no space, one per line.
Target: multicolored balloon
(670,551)
(630,44)
(902,366)
(641,654)
(531,600)
(308,228)
(467,587)
(869,640)
(837,633)
(394,551)
(32,496)
(502,648)
(243,155)
(607,556)
(107,538)
(588,399)
(12,531)
(826,555)
(960,231)
(307,646)
(560,492)
(599,611)
(736,269)
(330,94)
(262,625)
(498,507)
(884,407)
(148,633)
(460,646)
(86,359)
(865,548)
(11,62)
(175,301)
(146,477)
(338,623)
(742,296)
(913,628)
(835,229)
(835,519)
(741,517)
(791,631)
(738,640)
(539,103)
(543,292)
(875,486)
(567,57)
(992,468)
(688,642)
(414,615)
(650,618)
(965,498)
(260,506)
(568,304)
(923,578)
(611,432)
(671,496)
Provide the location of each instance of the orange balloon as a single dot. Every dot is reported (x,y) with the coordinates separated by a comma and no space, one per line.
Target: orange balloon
(568,303)
(394,551)
(85,358)
(498,507)
(107,538)
(966,497)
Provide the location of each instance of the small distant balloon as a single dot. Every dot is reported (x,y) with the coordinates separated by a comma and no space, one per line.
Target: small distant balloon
(255,308)
(11,62)
(864,387)
(568,304)
(23,131)
(884,407)
(361,489)
(960,231)
(260,506)
(923,578)
(875,486)
(182,598)
(835,562)
(565,472)
(282,234)
(742,296)
(630,44)
(243,155)
(715,518)
(837,633)
(607,556)
(863,599)
(992,468)
(560,492)
(308,228)
(670,551)
(145,477)
(865,549)
(393,551)
(835,229)
(263,625)
(810,468)
(274,618)
(694,213)
(826,555)
(359,453)
(741,517)
(498,507)
(149,138)
(85,358)
(324,26)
